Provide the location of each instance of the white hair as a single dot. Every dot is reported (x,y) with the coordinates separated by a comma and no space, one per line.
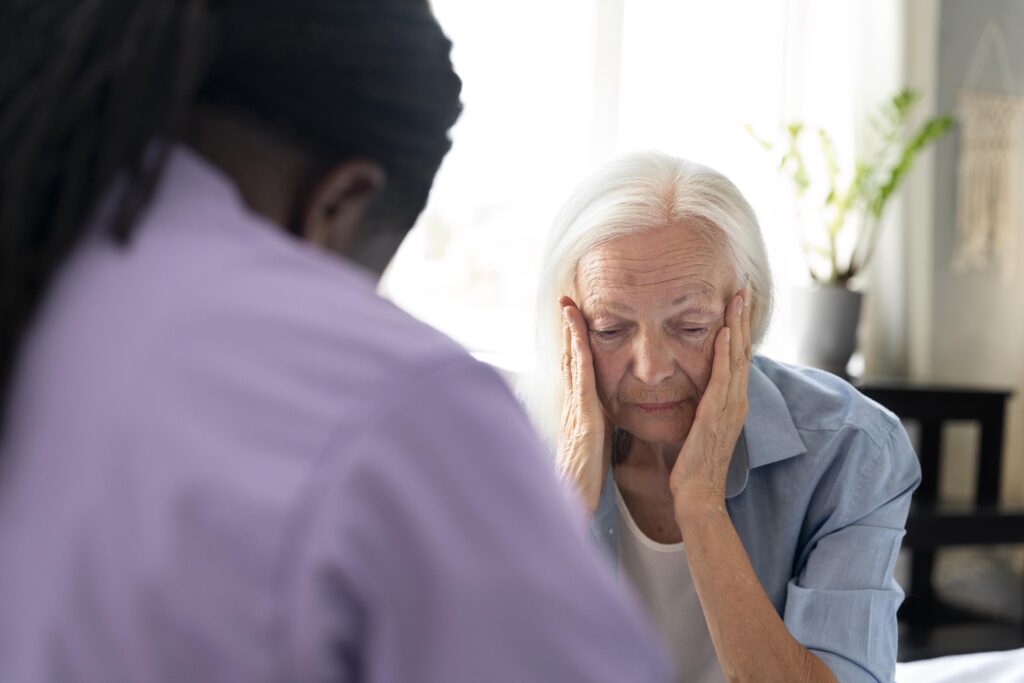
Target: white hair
(634,193)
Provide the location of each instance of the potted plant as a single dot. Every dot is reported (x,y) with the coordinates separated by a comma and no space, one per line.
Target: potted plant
(843,240)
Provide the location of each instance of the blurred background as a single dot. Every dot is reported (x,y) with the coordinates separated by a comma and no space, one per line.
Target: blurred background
(552,89)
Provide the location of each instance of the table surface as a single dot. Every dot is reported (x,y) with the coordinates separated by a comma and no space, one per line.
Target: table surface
(931,386)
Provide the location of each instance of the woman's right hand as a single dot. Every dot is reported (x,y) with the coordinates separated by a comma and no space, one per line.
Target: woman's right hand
(584,445)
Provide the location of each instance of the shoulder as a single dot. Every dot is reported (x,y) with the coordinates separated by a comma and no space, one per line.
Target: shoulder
(286,306)
(226,275)
(274,345)
(860,449)
(820,402)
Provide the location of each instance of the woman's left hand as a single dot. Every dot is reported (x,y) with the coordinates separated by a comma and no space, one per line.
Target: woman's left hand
(699,474)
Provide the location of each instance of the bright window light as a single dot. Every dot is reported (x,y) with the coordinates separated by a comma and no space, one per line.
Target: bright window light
(552,89)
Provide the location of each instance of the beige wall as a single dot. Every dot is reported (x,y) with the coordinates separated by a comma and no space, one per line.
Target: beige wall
(973,328)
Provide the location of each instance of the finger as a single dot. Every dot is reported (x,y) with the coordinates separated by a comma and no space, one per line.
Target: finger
(747,346)
(718,386)
(747,350)
(740,347)
(583,370)
(566,352)
(734,320)
(570,310)
(566,333)
(574,347)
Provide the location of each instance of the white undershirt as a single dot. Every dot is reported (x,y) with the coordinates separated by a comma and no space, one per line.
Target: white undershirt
(661,575)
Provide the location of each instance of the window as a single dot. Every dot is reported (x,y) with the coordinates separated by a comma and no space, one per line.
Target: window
(551,89)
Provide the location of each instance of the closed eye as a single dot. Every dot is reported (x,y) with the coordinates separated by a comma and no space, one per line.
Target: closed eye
(694,331)
(607,334)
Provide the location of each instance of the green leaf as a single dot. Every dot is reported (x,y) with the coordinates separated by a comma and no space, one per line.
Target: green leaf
(765,145)
(930,131)
(875,179)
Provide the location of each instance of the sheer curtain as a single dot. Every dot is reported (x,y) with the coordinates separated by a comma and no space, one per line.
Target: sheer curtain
(551,89)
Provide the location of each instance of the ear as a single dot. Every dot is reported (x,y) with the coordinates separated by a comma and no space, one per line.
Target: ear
(338,203)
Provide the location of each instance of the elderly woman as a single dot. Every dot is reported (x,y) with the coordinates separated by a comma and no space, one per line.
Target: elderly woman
(756,507)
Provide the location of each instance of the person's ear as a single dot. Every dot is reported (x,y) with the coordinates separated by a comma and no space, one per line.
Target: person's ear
(339,202)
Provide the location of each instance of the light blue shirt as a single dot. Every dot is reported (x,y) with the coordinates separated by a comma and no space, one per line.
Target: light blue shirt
(818,489)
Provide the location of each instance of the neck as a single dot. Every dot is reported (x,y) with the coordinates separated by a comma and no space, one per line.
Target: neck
(654,455)
(265,170)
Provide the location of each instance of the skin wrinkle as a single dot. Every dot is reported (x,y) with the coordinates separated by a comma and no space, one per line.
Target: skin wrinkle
(602,267)
(653,359)
(673,478)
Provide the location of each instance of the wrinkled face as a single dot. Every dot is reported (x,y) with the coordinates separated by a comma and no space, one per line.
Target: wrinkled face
(653,303)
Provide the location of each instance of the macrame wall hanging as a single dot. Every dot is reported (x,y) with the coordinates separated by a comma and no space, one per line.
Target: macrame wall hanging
(988,177)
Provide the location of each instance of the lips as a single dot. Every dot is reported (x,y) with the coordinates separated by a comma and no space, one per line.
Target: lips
(658,408)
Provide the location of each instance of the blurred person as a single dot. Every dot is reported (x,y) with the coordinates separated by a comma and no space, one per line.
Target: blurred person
(223,456)
(757,507)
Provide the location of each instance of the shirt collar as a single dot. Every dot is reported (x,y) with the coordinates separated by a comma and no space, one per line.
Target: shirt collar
(768,435)
(188,173)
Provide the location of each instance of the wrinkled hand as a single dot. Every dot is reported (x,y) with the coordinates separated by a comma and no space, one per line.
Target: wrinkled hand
(701,469)
(584,445)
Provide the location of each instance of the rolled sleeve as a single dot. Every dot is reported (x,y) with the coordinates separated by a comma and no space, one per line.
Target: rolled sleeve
(842,604)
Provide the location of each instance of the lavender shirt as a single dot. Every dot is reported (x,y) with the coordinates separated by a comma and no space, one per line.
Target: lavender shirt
(228,459)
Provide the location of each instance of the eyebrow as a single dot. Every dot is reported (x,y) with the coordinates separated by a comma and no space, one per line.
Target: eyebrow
(614,305)
(704,293)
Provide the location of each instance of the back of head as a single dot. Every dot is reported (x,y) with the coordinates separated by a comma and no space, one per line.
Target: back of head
(631,194)
(97,90)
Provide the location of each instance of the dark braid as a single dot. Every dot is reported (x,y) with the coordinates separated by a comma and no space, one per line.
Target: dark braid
(93,91)
(85,86)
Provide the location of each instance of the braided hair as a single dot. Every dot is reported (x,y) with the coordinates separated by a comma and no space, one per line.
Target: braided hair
(93,91)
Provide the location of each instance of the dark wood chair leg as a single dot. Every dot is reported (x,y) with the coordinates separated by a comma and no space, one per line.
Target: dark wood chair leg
(921,592)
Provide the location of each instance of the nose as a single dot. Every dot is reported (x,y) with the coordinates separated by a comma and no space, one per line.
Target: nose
(653,361)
